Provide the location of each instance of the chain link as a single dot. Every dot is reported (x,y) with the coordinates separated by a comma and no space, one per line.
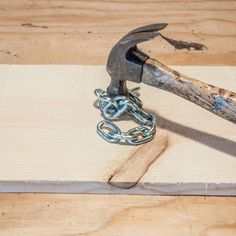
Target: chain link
(113,108)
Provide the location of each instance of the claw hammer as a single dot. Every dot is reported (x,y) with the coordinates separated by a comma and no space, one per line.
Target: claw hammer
(127,63)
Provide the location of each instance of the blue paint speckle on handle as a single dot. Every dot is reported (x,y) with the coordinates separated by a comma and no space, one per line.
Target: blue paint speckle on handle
(220,103)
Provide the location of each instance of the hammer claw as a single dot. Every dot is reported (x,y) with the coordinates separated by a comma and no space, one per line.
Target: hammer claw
(149,28)
(130,40)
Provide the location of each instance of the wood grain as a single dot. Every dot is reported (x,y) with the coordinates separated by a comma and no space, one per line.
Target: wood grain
(48,139)
(78,32)
(138,162)
(92,215)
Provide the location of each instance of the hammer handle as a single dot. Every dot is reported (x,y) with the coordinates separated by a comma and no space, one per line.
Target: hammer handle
(219,101)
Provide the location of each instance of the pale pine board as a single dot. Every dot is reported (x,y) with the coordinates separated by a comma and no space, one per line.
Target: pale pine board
(48,141)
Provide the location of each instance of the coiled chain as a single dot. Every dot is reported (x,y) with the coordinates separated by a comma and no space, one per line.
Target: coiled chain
(113,108)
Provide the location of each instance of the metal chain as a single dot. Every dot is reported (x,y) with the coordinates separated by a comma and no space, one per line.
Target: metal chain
(113,108)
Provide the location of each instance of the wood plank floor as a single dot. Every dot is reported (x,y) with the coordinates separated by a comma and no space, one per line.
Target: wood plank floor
(82,32)
(92,215)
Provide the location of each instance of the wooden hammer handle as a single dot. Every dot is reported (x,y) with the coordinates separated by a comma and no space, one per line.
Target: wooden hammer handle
(216,100)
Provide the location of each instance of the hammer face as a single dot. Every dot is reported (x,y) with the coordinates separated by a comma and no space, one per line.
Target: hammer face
(125,61)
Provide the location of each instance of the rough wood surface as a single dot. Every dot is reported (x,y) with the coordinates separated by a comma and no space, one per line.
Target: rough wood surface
(132,169)
(92,215)
(82,32)
(48,126)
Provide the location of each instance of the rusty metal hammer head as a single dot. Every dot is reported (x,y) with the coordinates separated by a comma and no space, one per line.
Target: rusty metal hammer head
(125,61)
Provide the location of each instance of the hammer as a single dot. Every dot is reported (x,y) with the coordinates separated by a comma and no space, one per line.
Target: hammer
(127,62)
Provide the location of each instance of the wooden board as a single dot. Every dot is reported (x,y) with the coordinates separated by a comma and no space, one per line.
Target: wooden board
(66,32)
(92,215)
(69,39)
(49,144)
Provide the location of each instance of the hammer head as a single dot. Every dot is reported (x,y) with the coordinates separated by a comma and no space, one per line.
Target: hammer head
(125,61)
